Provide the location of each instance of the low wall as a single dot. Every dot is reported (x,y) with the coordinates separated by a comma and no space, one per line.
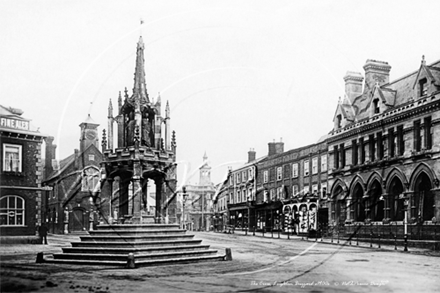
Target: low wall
(30,239)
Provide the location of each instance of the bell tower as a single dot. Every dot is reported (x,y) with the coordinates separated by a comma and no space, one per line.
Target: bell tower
(205,172)
(89,134)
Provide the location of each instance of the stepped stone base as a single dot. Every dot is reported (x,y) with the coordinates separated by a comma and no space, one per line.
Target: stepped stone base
(146,244)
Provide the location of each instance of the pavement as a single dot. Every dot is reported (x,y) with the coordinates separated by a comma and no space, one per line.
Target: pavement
(342,242)
(260,264)
(57,241)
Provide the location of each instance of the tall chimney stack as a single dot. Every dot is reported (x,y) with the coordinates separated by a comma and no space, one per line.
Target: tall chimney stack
(353,85)
(251,155)
(376,72)
(276,148)
(50,156)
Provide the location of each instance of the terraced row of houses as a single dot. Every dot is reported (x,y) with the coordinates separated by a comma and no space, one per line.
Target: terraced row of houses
(379,165)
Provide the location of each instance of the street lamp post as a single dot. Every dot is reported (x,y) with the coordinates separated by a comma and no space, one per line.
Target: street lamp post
(405,219)
(183,206)
(203,222)
(249,214)
(405,223)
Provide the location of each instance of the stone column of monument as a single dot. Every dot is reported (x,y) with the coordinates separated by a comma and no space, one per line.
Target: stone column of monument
(106,200)
(137,189)
(124,183)
(158,215)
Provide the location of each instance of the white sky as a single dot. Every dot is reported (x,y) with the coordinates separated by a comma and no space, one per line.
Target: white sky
(237,74)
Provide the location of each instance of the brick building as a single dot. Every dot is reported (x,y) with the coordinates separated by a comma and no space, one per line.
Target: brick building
(73,202)
(21,174)
(239,194)
(384,149)
(293,185)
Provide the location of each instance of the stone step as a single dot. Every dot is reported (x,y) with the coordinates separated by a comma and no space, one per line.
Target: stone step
(124,244)
(186,260)
(134,238)
(142,263)
(151,244)
(135,232)
(135,251)
(138,227)
(122,257)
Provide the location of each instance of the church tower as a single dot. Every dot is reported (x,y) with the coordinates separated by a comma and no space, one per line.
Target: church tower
(89,134)
(205,172)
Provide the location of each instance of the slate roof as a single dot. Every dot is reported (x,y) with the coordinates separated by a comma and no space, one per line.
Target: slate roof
(395,93)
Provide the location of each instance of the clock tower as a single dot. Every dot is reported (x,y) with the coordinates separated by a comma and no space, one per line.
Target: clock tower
(205,172)
(89,133)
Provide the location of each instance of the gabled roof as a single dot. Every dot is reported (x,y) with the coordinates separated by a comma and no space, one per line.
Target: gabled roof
(346,111)
(435,71)
(431,72)
(68,161)
(388,96)
(64,164)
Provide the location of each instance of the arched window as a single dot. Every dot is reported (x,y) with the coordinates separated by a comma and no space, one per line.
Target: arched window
(12,210)
(376,109)
(338,121)
(90,179)
(359,204)
(423,200)
(376,201)
(339,207)
(395,202)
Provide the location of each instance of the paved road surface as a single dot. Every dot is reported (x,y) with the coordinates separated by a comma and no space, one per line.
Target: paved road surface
(259,265)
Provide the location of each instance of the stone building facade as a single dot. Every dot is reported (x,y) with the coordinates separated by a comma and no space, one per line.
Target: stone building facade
(21,174)
(384,149)
(198,212)
(143,149)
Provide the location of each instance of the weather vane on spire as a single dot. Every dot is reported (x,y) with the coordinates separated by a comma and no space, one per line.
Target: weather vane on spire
(90,108)
(140,27)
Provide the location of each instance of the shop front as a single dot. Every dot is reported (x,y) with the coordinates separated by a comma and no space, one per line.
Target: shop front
(269,216)
(300,218)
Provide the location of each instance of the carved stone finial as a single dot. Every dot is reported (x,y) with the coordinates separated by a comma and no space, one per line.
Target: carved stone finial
(173,139)
(136,134)
(104,141)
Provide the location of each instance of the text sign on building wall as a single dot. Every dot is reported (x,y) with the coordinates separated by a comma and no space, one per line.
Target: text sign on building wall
(13,123)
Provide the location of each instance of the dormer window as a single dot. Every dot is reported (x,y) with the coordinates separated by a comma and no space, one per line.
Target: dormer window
(423,87)
(338,121)
(376,108)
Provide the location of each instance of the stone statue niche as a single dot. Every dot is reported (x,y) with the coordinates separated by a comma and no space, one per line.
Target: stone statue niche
(148,118)
(130,128)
